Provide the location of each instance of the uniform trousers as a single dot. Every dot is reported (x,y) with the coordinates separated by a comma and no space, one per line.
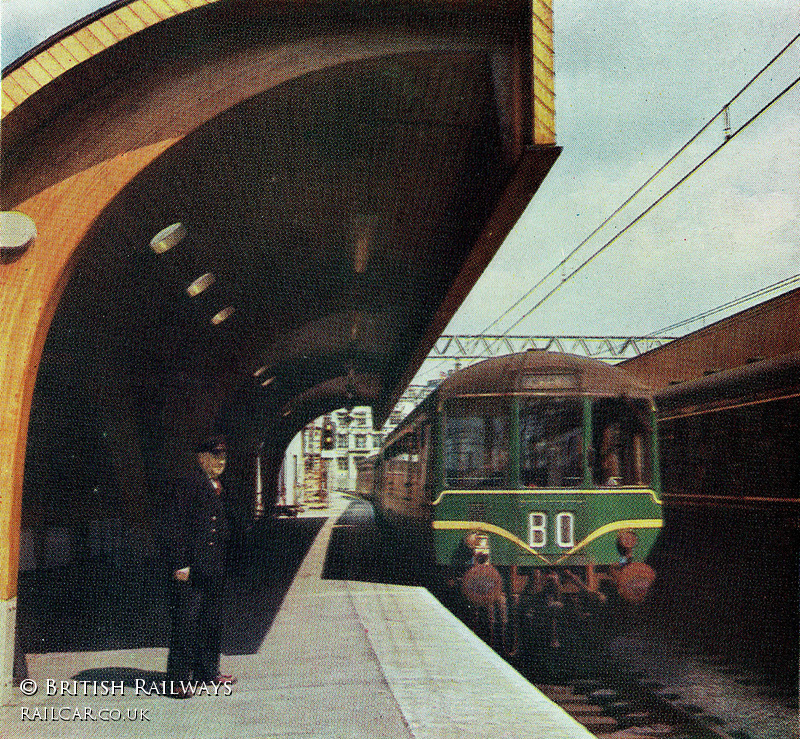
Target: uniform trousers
(195,641)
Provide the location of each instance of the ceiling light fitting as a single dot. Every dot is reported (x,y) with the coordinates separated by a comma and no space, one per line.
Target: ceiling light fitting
(168,237)
(222,315)
(200,284)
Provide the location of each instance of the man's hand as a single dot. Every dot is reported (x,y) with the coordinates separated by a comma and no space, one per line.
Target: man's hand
(182,575)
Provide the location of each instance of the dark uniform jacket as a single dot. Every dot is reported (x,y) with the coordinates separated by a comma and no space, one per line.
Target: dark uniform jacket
(199,529)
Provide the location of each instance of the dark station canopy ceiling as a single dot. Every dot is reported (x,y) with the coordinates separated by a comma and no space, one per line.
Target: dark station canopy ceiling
(335,221)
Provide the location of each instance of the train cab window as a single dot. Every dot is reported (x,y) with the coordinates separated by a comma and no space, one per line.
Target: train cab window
(621,439)
(551,442)
(476,443)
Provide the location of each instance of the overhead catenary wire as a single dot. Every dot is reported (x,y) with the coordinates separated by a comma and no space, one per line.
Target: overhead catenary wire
(775,286)
(728,137)
(616,212)
(658,200)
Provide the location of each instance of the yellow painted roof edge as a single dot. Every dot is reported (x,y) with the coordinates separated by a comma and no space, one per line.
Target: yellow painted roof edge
(86,42)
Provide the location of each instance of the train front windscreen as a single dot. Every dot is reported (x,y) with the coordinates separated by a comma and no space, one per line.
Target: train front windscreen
(564,442)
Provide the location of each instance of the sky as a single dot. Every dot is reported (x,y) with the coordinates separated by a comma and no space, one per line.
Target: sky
(635,80)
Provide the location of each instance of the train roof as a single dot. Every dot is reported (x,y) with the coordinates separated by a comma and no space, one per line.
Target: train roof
(367,461)
(543,372)
(781,374)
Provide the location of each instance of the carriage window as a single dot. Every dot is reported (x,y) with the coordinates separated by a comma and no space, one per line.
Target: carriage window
(551,442)
(405,462)
(400,465)
(621,431)
(476,443)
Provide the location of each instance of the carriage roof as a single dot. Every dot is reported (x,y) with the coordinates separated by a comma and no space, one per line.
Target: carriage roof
(545,372)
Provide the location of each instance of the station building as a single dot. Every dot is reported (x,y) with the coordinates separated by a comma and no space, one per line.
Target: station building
(310,466)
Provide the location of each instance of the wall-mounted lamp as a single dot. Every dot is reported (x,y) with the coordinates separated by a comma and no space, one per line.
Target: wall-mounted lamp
(17,234)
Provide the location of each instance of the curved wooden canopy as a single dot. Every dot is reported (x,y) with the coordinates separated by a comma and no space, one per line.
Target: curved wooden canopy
(344,171)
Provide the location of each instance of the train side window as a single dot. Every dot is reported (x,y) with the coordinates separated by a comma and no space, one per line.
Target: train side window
(405,462)
(537,529)
(397,464)
(565,529)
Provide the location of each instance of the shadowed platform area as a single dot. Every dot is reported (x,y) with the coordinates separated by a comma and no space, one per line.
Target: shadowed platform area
(341,659)
(111,603)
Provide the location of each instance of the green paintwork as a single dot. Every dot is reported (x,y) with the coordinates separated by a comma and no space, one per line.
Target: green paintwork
(509,510)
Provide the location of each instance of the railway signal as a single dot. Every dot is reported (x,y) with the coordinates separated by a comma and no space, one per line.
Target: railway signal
(328,440)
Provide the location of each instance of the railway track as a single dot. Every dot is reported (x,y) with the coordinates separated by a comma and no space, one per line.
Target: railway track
(618,706)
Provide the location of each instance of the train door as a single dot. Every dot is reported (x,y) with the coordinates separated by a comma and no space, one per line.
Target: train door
(418,482)
(426,478)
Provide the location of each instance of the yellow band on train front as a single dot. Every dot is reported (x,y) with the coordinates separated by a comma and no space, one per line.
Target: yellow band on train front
(621,490)
(640,523)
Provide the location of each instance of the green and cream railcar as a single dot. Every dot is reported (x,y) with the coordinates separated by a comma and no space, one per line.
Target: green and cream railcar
(549,459)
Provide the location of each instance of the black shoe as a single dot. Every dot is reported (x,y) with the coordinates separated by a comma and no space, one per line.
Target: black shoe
(181,692)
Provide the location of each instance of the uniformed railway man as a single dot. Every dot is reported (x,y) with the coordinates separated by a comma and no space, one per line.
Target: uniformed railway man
(198,550)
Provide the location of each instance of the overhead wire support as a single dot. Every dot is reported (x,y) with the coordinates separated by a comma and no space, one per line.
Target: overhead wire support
(724,111)
(455,347)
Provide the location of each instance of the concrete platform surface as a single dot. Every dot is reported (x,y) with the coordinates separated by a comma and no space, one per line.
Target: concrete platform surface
(342,660)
